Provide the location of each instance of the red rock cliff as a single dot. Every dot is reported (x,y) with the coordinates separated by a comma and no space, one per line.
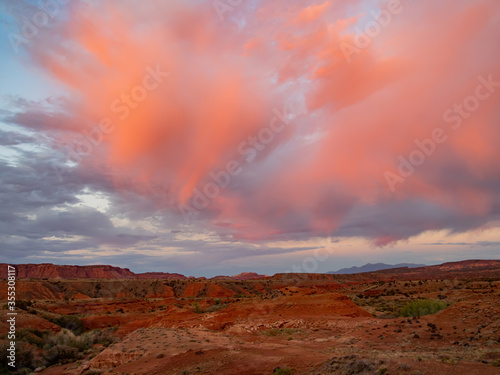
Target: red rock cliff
(53,271)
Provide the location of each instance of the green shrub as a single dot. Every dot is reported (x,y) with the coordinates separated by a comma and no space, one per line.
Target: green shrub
(71,322)
(25,359)
(196,308)
(31,336)
(82,342)
(283,371)
(214,308)
(422,307)
(36,332)
(101,337)
(60,354)
(64,338)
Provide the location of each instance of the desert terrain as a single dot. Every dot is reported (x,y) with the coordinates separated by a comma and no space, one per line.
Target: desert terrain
(112,321)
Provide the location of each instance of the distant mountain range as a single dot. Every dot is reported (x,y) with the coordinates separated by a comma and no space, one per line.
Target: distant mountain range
(372,267)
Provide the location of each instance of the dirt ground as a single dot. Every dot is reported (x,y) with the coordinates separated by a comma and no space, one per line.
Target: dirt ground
(302,325)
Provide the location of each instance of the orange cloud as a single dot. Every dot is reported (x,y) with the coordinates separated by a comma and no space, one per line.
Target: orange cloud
(363,115)
(311,13)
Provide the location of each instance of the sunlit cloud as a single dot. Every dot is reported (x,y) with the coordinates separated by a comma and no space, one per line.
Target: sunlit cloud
(176,127)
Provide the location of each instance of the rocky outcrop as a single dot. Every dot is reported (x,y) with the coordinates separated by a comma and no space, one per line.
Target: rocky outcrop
(160,275)
(454,269)
(53,271)
(241,276)
(248,276)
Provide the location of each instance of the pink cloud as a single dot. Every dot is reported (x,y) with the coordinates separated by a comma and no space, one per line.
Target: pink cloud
(364,111)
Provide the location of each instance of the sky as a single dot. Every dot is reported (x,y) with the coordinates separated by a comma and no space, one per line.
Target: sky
(218,137)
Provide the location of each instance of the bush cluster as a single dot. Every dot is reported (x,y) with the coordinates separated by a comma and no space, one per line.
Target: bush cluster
(71,322)
(422,307)
(82,342)
(61,347)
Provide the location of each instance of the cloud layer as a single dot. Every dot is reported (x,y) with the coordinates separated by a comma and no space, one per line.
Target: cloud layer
(262,121)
